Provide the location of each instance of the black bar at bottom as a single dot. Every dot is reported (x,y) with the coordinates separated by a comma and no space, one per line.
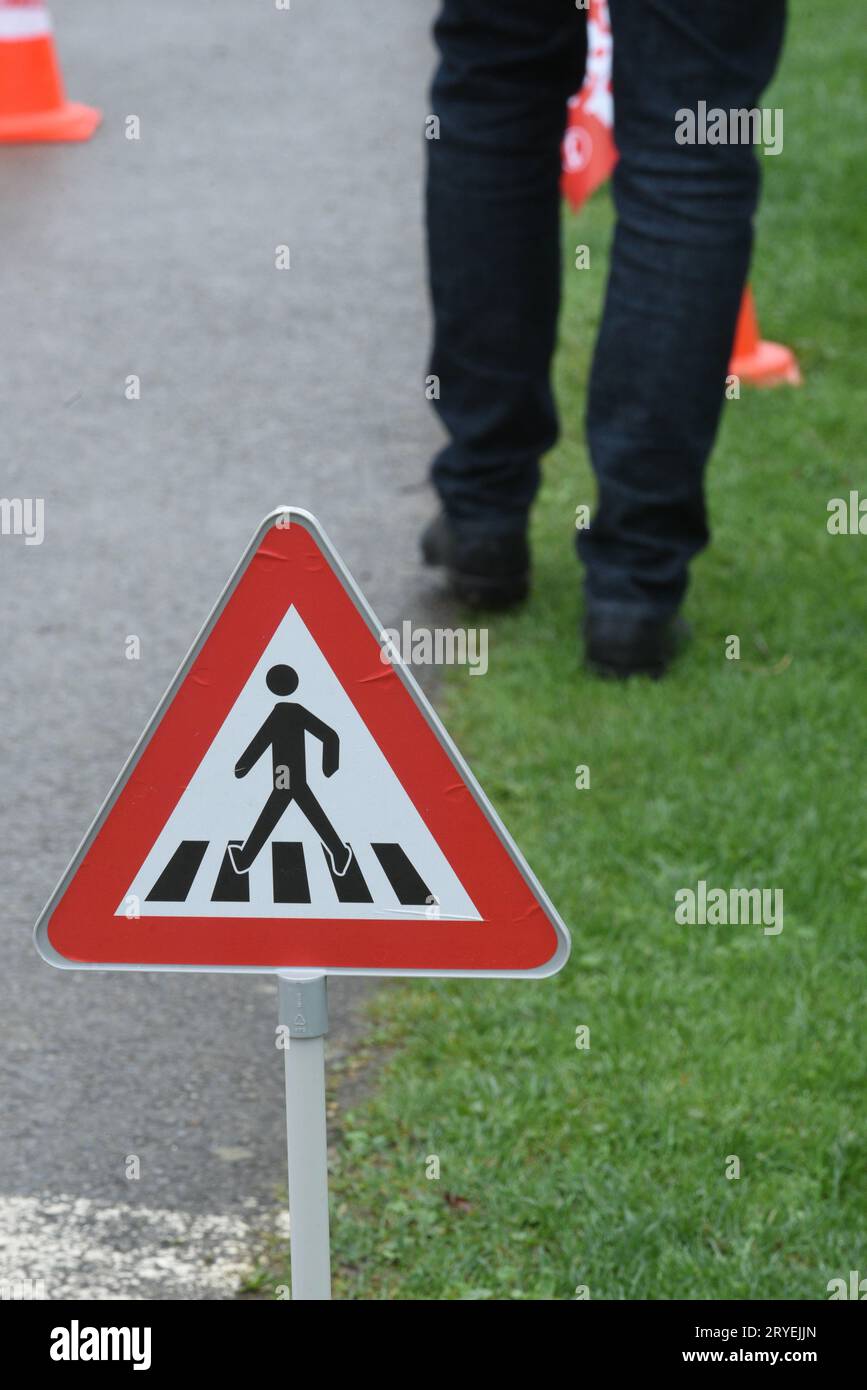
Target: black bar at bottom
(52,1335)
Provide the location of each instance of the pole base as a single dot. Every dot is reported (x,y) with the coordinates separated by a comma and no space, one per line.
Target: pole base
(71,121)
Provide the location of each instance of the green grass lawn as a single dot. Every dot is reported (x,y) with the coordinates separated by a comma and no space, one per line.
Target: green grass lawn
(606,1167)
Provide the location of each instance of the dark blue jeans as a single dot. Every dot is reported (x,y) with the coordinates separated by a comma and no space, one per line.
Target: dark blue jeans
(679,260)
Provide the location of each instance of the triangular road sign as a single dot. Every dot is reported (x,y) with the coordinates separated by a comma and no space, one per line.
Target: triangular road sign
(296,805)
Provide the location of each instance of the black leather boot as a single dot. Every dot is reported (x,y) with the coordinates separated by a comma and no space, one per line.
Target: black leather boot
(618,644)
(484,570)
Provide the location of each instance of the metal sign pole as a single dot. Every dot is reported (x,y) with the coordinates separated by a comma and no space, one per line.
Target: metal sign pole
(303,1011)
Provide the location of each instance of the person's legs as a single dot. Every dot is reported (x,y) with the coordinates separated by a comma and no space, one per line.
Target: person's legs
(309,806)
(244,856)
(493,207)
(681,251)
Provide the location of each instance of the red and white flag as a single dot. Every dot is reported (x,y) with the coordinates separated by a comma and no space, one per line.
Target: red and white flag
(589,153)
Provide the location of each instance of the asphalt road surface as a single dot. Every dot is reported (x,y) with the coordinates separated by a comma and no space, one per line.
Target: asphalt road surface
(155,258)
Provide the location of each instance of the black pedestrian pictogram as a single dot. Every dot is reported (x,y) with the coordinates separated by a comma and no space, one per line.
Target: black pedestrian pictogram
(283,732)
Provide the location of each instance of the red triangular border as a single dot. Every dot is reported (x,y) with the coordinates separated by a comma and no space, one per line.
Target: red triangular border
(294,564)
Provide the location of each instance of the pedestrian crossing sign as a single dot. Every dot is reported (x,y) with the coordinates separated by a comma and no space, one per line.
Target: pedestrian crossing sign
(295,805)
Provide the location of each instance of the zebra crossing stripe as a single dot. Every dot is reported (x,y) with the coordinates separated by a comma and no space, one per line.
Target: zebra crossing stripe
(289,870)
(410,888)
(231,887)
(176,879)
(349,887)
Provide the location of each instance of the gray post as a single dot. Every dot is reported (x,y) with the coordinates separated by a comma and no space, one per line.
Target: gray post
(304,1012)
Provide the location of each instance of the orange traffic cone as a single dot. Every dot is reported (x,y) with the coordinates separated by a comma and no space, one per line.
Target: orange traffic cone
(33,106)
(754,360)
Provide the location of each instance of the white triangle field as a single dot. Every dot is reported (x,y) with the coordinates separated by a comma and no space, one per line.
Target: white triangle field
(363,799)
